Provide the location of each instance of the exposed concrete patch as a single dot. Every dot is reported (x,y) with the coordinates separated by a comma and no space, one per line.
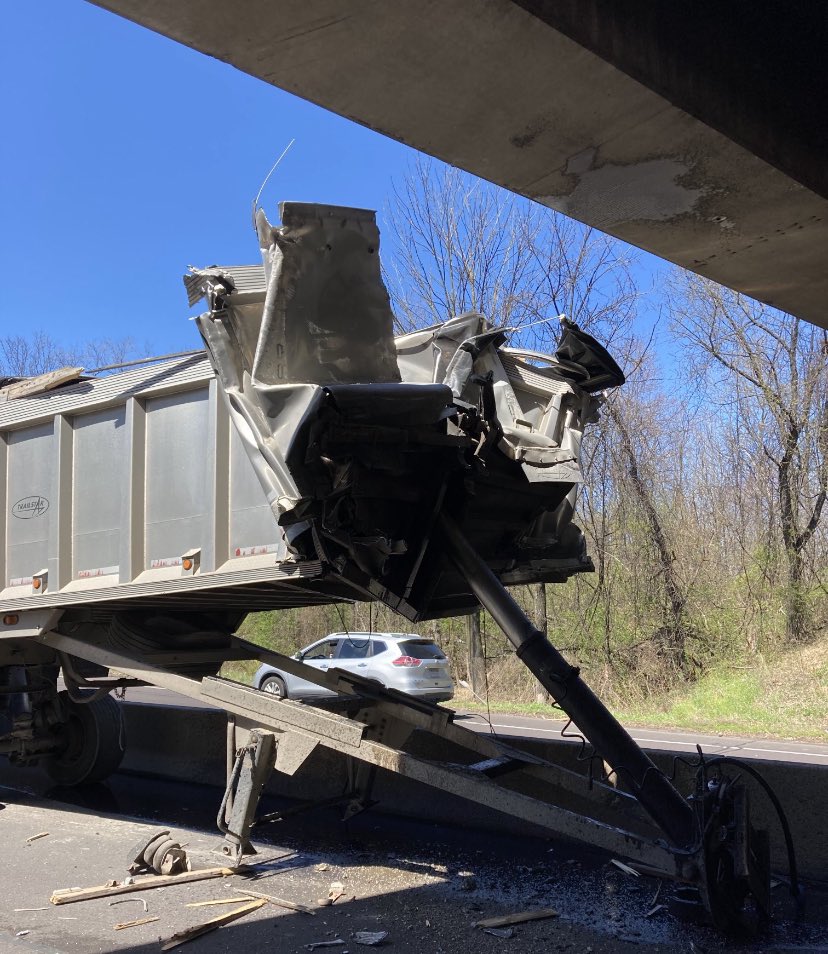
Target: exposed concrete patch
(611,195)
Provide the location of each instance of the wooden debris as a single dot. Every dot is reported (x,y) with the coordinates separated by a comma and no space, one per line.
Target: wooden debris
(625,868)
(39,384)
(314,944)
(189,934)
(655,909)
(537,915)
(137,922)
(21,910)
(280,902)
(337,890)
(68,895)
(208,904)
(40,834)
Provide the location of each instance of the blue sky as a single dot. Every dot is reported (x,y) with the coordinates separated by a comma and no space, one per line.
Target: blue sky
(127,157)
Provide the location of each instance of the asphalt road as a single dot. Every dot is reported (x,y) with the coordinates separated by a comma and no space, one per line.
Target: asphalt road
(515,726)
(425,885)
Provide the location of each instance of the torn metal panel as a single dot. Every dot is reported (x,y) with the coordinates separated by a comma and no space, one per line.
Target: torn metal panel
(360,440)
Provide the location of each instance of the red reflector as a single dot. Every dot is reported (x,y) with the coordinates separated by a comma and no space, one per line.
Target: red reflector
(406,661)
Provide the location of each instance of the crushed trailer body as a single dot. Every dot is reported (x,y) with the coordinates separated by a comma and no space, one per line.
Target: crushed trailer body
(312,457)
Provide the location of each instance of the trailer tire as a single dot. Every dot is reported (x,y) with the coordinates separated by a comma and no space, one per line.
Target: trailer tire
(92,742)
(274,685)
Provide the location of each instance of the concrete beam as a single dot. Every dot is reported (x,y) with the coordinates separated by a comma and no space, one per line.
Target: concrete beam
(694,132)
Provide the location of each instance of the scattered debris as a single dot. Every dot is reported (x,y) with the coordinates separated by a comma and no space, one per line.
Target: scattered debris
(136,923)
(207,904)
(68,895)
(466,881)
(279,902)
(337,890)
(22,933)
(500,932)
(188,934)
(21,910)
(39,383)
(625,868)
(324,902)
(159,853)
(537,915)
(657,895)
(314,944)
(370,938)
(322,867)
(40,834)
(655,909)
(130,901)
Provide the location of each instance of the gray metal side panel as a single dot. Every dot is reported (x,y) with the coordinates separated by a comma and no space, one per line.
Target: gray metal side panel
(99,483)
(253,527)
(30,490)
(179,462)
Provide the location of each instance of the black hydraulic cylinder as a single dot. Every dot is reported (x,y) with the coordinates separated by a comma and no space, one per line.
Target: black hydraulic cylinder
(671,812)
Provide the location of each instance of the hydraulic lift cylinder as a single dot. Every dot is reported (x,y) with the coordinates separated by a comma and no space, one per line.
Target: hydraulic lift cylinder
(663,802)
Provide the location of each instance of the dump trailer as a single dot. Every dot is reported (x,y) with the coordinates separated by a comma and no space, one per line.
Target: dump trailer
(309,456)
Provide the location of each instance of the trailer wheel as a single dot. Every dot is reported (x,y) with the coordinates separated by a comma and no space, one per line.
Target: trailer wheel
(91,742)
(275,685)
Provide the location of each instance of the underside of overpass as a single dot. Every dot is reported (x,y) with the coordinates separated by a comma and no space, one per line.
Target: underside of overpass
(696,131)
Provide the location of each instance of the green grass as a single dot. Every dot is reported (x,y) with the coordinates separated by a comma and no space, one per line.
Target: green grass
(786,698)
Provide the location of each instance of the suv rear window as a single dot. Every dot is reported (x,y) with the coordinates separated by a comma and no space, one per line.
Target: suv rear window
(421,649)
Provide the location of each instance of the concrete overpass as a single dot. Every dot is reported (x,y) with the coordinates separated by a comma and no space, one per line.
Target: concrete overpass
(697,131)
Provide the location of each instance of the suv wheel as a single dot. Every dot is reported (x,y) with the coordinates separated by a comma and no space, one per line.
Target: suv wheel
(275,685)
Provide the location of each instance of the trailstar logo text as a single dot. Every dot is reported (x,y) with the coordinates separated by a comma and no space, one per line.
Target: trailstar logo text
(30,507)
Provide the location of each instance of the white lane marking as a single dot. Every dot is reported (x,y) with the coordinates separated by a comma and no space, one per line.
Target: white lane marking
(807,755)
(705,745)
(530,728)
(638,738)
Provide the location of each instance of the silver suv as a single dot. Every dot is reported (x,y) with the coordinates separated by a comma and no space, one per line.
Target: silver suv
(412,664)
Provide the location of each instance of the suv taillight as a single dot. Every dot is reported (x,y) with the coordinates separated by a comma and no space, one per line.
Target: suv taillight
(406,661)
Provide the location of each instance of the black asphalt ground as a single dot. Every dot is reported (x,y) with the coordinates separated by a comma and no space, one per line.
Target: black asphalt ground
(426,885)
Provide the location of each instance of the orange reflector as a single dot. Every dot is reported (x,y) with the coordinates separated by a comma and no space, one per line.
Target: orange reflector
(187,564)
(11,619)
(36,583)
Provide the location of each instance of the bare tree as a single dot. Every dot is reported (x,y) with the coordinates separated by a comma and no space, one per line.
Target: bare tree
(37,352)
(768,370)
(459,244)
